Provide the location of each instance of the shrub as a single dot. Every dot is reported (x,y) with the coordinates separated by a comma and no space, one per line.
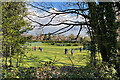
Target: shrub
(68,44)
(52,43)
(50,70)
(76,44)
(58,44)
(34,40)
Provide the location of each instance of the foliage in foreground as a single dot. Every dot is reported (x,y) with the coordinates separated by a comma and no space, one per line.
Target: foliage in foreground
(50,70)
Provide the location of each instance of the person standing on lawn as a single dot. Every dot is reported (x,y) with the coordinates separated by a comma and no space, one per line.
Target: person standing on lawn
(80,49)
(66,50)
(35,48)
(32,48)
(40,49)
(71,51)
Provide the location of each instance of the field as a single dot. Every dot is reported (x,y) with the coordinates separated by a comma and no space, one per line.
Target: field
(57,54)
(54,53)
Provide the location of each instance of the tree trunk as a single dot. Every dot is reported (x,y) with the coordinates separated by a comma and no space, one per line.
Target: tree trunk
(10,58)
(104,53)
(17,61)
(6,62)
(92,32)
(6,55)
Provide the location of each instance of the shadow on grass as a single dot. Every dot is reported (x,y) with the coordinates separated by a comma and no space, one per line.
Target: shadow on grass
(57,61)
(49,58)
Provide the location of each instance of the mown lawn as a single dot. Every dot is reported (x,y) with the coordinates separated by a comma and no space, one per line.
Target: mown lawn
(56,54)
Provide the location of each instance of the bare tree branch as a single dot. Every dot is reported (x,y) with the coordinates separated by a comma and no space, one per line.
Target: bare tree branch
(66,30)
(60,29)
(43,16)
(74,10)
(51,19)
(67,11)
(78,32)
(39,8)
(70,11)
(33,21)
(80,23)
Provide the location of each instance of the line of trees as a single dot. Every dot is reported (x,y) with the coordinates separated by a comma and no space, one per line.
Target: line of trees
(71,37)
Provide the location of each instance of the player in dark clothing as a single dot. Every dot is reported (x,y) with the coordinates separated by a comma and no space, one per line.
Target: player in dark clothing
(71,51)
(80,49)
(66,50)
(84,47)
(40,49)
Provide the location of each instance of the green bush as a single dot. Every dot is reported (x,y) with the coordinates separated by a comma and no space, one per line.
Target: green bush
(68,44)
(34,41)
(76,44)
(50,70)
(52,43)
(118,44)
(58,44)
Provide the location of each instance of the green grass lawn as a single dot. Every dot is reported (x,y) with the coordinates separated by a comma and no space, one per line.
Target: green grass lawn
(57,53)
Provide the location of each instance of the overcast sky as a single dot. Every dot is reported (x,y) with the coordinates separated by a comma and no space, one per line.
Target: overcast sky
(57,19)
